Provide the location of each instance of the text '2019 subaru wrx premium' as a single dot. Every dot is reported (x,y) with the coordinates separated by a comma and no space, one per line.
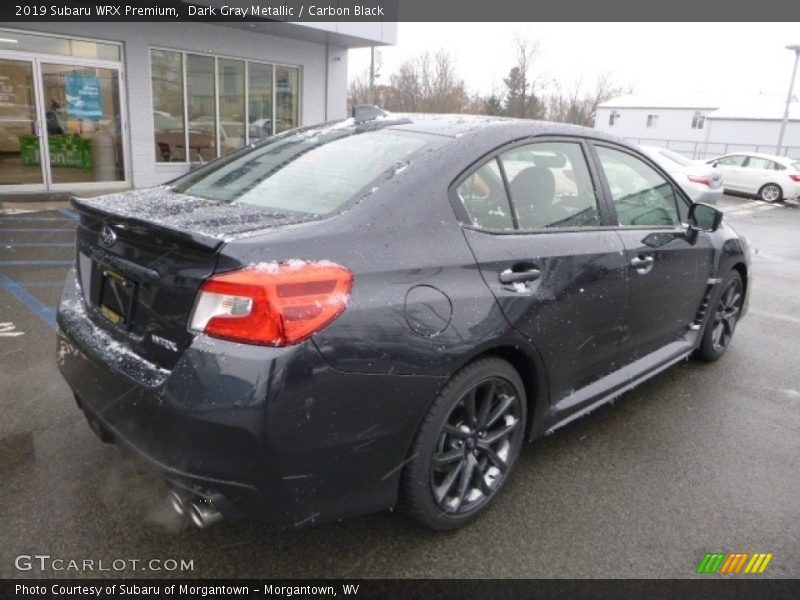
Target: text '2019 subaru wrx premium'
(380,311)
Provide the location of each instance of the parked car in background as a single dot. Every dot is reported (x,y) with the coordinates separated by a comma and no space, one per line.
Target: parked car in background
(380,312)
(770,177)
(701,181)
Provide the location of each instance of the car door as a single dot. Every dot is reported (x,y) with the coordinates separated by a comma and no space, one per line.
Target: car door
(534,223)
(755,173)
(667,273)
(732,169)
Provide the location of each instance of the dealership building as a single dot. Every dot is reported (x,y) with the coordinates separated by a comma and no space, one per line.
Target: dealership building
(99,106)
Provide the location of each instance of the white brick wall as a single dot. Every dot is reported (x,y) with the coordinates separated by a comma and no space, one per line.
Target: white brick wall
(673,123)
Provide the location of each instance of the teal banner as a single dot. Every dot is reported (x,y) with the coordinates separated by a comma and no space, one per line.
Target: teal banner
(83,97)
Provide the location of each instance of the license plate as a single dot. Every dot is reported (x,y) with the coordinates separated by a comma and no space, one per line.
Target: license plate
(116,297)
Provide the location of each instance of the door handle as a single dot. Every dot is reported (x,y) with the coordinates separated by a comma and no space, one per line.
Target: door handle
(509,276)
(642,263)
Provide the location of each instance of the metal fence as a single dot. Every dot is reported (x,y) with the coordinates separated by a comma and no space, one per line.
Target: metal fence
(701,150)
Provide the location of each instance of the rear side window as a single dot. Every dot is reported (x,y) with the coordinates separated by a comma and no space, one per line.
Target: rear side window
(642,197)
(483,195)
(754,162)
(550,186)
(313,172)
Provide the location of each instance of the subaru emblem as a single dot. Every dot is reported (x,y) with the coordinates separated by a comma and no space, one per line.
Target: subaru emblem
(108,236)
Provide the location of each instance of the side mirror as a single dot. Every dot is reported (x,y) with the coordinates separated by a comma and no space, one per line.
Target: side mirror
(704,217)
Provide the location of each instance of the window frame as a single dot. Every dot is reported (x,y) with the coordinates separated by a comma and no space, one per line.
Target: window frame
(217,57)
(698,120)
(678,193)
(606,217)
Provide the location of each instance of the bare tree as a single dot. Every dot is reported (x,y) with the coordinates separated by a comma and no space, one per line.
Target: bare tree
(578,107)
(428,83)
(358,91)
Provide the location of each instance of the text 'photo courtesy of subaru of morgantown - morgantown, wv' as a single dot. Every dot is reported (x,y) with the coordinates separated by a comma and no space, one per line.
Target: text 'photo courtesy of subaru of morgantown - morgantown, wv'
(379,312)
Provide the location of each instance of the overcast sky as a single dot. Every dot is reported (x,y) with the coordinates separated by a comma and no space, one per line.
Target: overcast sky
(657,59)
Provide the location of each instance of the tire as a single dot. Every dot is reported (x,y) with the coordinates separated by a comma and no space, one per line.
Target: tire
(770,192)
(474,448)
(721,324)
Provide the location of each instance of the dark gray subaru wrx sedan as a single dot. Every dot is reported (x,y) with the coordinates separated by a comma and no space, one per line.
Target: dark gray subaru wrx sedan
(380,311)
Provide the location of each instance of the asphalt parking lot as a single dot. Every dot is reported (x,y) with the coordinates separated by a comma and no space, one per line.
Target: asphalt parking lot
(703,458)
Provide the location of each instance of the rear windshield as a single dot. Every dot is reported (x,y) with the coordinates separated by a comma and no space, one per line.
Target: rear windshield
(312,172)
(675,157)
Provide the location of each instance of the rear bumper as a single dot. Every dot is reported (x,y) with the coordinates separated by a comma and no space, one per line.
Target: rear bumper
(275,432)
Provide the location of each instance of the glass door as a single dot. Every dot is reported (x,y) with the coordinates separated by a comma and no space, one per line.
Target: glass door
(21,160)
(84,132)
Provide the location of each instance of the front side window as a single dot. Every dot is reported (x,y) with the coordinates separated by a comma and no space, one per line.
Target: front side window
(483,195)
(642,197)
(550,186)
(735,160)
(311,173)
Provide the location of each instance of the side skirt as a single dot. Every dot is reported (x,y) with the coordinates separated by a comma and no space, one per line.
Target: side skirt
(631,376)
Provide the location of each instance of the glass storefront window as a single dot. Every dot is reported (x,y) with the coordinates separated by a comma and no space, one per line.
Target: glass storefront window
(287,85)
(201,107)
(230,75)
(167,82)
(228,103)
(84,125)
(259,102)
(19,143)
(48,44)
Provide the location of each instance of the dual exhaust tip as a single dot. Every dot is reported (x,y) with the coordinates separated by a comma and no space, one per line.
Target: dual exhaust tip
(201,511)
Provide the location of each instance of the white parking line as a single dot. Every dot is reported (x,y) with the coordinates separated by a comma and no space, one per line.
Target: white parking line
(750,208)
(17,211)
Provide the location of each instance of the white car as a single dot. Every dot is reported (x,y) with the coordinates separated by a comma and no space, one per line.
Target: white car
(771,178)
(702,182)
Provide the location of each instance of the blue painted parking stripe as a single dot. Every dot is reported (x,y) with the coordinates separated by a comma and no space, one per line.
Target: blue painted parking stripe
(43,284)
(69,213)
(29,230)
(36,245)
(36,263)
(14,218)
(44,312)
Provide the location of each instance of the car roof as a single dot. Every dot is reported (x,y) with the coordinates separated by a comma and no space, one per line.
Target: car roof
(456,125)
(774,157)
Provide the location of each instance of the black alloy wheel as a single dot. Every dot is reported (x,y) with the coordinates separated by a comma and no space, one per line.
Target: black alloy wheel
(467,445)
(722,322)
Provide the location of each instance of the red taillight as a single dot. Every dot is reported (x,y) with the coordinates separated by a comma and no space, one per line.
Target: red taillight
(700,179)
(794,177)
(272,304)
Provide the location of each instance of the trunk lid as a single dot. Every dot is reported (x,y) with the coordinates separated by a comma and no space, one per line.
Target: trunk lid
(142,257)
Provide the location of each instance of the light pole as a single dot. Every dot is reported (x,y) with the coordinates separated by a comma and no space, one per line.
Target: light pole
(796,49)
